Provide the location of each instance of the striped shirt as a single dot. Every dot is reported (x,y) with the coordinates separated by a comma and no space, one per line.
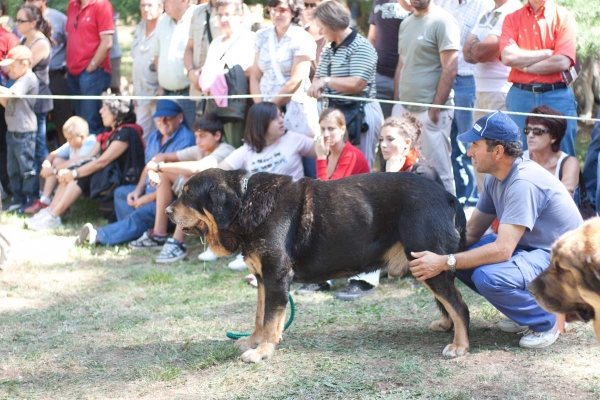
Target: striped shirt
(354,57)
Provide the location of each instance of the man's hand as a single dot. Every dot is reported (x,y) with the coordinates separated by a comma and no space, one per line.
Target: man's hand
(427,265)
(152,165)
(561,322)
(154,178)
(194,77)
(161,157)
(132,197)
(434,114)
(316,89)
(47,169)
(92,66)
(142,201)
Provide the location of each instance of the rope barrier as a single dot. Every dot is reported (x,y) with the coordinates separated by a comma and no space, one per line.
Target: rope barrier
(237,335)
(253,96)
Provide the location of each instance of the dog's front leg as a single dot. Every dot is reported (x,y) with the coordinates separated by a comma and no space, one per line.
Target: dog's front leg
(251,342)
(275,302)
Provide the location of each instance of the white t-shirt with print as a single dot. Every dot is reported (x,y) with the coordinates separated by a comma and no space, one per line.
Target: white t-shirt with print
(282,157)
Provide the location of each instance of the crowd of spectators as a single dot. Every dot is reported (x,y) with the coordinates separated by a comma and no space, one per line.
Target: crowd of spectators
(316,80)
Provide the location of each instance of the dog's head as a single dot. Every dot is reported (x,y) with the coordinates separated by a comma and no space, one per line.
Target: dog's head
(209,202)
(573,273)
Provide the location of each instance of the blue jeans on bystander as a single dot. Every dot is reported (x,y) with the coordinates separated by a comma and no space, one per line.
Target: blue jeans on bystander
(41,148)
(131,222)
(504,285)
(464,96)
(89,84)
(591,168)
(23,177)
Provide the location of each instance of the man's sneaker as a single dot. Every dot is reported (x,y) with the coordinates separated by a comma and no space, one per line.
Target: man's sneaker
(12,206)
(172,251)
(355,290)
(510,326)
(538,340)
(238,264)
(148,241)
(35,207)
(310,288)
(207,255)
(87,235)
(45,221)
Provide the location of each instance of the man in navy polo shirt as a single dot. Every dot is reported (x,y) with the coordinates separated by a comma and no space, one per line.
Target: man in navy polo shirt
(135,206)
(533,208)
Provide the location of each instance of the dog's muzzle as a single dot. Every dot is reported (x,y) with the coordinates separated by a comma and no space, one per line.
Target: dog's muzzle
(201,229)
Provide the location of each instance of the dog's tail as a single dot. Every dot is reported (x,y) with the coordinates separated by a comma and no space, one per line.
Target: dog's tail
(460,221)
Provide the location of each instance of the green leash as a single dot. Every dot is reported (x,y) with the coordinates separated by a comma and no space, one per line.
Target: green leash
(237,335)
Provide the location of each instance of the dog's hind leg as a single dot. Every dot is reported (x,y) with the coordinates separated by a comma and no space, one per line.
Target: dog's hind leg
(444,324)
(442,287)
(251,342)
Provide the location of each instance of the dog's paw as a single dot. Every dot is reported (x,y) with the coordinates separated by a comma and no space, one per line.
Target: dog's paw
(441,325)
(453,350)
(263,352)
(246,343)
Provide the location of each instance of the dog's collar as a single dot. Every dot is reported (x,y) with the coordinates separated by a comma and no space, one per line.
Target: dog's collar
(245,184)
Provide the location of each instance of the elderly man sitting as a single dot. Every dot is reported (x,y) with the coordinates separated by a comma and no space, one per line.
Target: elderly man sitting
(135,206)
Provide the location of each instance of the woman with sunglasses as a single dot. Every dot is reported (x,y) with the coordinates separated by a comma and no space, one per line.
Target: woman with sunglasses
(544,135)
(315,32)
(37,35)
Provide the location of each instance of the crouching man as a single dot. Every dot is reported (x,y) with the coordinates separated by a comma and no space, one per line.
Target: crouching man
(533,209)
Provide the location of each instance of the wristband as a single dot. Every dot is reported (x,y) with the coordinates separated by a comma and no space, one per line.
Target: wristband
(54,170)
(74,173)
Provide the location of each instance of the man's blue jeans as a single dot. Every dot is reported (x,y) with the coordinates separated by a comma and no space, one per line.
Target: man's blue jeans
(131,222)
(561,100)
(24,180)
(89,84)
(464,96)
(504,285)
(591,166)
(41,148)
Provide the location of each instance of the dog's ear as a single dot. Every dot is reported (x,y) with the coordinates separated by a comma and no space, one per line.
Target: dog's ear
(224,203)
(260,201)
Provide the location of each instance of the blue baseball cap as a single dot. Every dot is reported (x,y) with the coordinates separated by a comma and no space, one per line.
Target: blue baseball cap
(494,126)
(167,108)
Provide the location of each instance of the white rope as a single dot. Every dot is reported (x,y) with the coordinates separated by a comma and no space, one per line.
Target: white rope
(252,96)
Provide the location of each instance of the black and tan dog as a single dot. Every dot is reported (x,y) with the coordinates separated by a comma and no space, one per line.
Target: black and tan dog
(571,285)
(309,231)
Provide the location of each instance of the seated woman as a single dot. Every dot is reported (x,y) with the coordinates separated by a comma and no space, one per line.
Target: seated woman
(168,172)
(267,148)
(543,140)
(118,159)
(338,158)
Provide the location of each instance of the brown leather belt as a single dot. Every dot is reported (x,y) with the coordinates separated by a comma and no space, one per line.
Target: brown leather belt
(540,87)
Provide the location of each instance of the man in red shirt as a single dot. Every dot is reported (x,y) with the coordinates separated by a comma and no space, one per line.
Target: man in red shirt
(538,42)
(90,30)
(8,40)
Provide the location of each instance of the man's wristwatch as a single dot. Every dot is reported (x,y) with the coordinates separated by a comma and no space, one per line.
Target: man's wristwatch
(158,166)
(327,79)
(74,173)
(451,261)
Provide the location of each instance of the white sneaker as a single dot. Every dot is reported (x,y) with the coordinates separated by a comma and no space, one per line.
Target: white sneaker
(45,221)
(207,255)
(31,220)
(238,264)
(538,340)
(87,235)
(510,326)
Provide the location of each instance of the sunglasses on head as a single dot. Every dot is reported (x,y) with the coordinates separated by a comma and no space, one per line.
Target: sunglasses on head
(535,131)
(310,5)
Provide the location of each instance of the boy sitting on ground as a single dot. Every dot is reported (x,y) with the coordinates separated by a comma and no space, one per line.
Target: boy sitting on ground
(168,172)
(78,147)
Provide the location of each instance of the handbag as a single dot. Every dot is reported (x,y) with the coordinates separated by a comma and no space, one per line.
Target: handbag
(585,206)
(104,182)
(354,113)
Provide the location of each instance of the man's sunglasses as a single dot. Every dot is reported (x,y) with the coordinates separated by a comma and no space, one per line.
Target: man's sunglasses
(310,5)
(536,131)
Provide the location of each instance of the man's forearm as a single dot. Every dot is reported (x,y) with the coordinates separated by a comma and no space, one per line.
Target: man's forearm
(102,51)
(445,85)
(489,253)
(550,65)
(513,56)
